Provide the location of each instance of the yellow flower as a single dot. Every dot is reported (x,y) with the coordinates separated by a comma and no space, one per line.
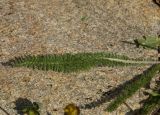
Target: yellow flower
(71,109)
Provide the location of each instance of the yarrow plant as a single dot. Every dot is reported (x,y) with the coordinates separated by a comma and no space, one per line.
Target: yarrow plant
(84,61)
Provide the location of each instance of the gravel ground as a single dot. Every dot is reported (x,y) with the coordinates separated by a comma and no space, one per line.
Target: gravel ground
(61,26)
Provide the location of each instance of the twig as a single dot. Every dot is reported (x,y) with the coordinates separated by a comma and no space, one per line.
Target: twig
(128,106)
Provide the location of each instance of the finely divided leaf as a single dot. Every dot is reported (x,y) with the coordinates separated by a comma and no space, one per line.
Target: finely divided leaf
(75,62)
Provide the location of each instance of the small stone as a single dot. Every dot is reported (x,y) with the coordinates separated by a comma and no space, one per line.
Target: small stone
(26,79)
(5,52)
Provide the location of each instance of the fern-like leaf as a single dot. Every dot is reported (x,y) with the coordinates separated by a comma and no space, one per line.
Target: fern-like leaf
(75,62)
(131,88)
(152,103)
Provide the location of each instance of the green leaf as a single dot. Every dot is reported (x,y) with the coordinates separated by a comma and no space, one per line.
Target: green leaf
(149,42)
(75,62)
(151,104)
(153,93)
(132,87)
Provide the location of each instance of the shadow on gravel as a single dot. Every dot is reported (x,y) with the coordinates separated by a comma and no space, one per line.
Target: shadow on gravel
(157,2)
(4,111)
(24,105)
